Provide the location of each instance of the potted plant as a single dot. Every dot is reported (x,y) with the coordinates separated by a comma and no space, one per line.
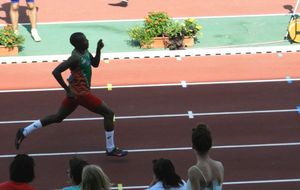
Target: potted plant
(9,41)
(160,31)
(151,34)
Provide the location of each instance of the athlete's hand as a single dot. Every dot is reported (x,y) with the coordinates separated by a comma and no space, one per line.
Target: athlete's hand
(70,94)
(100,44)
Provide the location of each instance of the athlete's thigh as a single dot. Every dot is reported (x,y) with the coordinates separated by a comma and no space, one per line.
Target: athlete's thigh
(68,105)
(91,102)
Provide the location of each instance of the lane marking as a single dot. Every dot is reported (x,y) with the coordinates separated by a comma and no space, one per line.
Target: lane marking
(290,180)
(109,87)
(289,80)
(241,49)
(268,145)
(160,85)
(189,114)
(183,84)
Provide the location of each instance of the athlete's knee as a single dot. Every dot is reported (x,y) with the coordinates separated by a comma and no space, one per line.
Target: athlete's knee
(14,7)
(58,119)
(30,6)
(109,115)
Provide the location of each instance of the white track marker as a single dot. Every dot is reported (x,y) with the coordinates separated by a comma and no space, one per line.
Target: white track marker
(191,115)
(109,87)
(183,84)
(289,79)
(178,58)
(106,61)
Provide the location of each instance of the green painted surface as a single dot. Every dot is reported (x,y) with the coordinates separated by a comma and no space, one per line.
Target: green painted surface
(217,32)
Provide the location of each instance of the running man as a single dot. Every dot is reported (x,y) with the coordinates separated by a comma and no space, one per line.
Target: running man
(32,13)
(78,93)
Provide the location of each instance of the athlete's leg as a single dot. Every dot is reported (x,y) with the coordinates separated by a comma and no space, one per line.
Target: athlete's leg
(108,115)
(14,14)
(94,104)
(67,107)
(62,113)
(32,13)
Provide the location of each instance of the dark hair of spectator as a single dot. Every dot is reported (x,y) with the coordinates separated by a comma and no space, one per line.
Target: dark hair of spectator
(75,38)
(164,171)
(201,139)
(76,166)
(22,169)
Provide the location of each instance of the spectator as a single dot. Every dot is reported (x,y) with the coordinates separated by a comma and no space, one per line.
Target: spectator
(76,166)
(165,176)
(207,174)
(21,172)
(93,178)
(31,11)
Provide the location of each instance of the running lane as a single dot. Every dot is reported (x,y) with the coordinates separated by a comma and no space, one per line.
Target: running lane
(159,71)
(241,163)
(83,10)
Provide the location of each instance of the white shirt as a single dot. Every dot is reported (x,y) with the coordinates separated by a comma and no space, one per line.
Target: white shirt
(159,186)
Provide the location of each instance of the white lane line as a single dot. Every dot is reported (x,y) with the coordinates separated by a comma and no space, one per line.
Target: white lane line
(160,85)
(290,180)
(241,49)
(268,145)
(166,115)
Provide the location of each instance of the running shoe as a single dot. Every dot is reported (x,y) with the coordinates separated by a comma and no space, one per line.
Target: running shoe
(19,138)
(35,35)
(117,152)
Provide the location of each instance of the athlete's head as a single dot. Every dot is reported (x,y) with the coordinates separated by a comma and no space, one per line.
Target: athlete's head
(201,139)
(79,41)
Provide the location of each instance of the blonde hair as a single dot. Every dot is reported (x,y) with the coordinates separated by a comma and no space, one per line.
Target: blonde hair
(93,178)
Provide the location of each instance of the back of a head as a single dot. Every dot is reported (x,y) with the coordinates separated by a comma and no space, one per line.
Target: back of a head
(93,178)
(201,139)
(76,166)
(165,172)
(75,38)
(22,169)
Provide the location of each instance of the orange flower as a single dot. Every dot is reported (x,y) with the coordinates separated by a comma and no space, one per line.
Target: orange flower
(148,20)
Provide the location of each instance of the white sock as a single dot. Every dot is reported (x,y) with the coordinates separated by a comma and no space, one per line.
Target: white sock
(110,144)
(30,128)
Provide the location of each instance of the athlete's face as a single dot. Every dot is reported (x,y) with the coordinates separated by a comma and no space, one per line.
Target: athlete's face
(83,43)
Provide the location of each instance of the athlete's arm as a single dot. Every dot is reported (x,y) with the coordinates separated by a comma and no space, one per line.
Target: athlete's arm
(96,60)
(71,62)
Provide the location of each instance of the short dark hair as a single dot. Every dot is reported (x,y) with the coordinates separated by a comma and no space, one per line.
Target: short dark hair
(76,166)
(201,139)
(22,169)
(165,172)
(75,38)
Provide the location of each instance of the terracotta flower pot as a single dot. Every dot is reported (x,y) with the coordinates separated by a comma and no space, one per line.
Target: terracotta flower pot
(188,41)
(5,51)
(161,42)
(158,42)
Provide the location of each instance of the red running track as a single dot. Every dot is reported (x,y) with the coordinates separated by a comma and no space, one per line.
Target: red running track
(241,164)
